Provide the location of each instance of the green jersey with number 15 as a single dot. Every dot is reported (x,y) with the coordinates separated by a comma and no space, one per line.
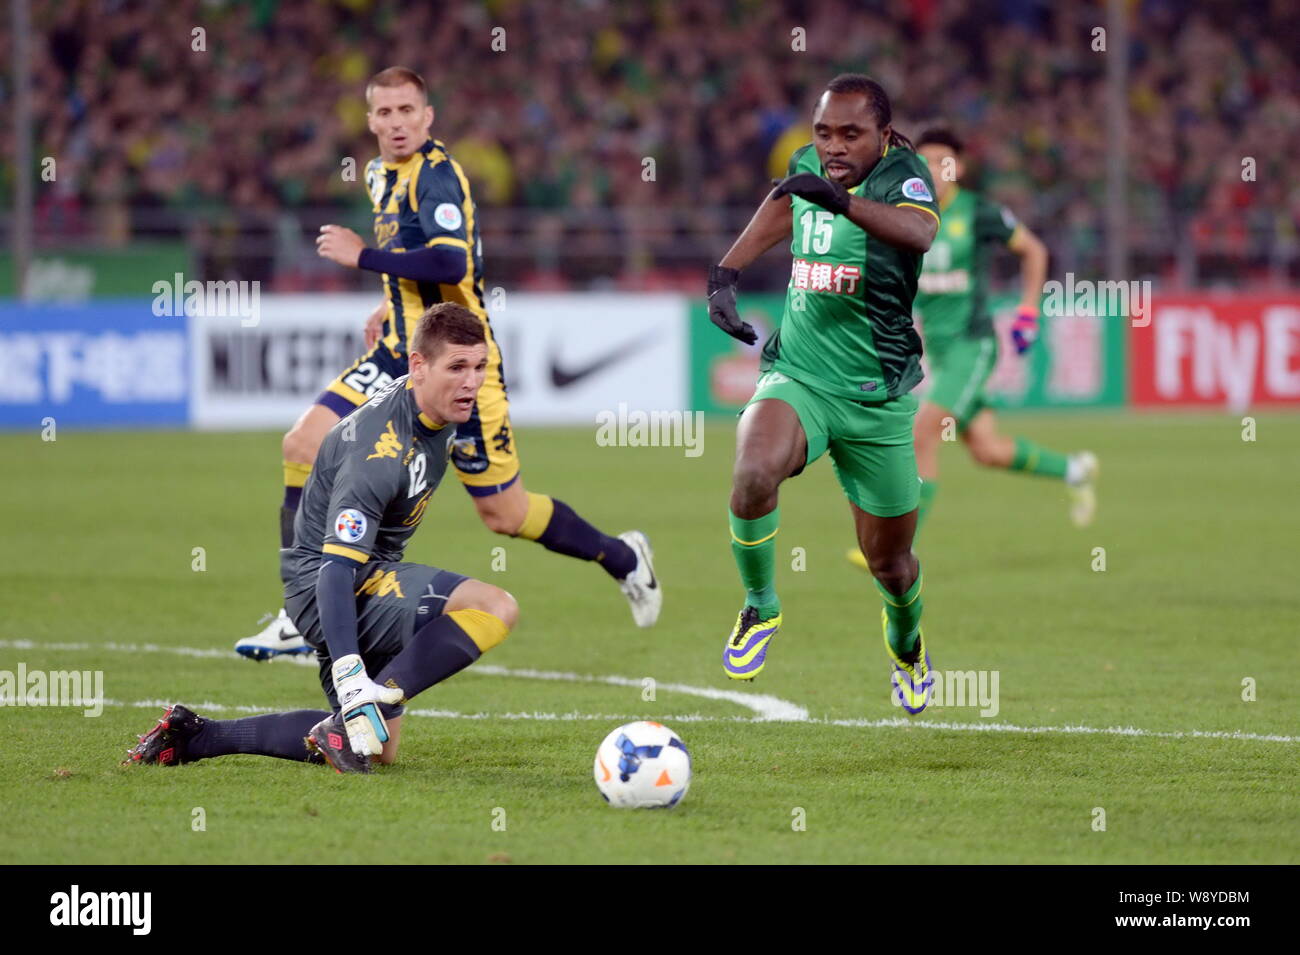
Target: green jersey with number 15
(847,326)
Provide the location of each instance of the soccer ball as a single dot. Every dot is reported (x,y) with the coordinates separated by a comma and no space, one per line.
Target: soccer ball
(642,765)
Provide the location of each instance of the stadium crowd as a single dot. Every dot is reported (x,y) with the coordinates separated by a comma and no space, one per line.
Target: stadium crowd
(219,119)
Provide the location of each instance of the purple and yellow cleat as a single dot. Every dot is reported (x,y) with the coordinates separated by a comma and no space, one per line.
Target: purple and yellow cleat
(746,649)
(911,677)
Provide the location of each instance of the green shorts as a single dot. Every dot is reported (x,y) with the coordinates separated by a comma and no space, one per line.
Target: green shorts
(870,442)
(958,372)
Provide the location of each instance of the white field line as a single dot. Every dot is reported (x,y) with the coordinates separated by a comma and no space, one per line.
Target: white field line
(766,708)
(204,652)
(208,706)
(1095,730)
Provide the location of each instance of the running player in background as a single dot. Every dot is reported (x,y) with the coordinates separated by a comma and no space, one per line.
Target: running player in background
(360,606)
(429,250)
(859,209)
(960,345)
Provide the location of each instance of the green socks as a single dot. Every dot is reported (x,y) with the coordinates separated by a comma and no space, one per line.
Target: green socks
(753,544)
(1036,459)
(904,616)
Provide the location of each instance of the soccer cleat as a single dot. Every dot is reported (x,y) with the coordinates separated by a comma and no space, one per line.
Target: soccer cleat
(641,587)
(278,638)
(167,744)
(746,649)
(329,738)
(911,678)
(1084,468)
(854,556)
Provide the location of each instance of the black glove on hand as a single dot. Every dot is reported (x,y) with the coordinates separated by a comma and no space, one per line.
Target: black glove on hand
(806,185)
(722,304)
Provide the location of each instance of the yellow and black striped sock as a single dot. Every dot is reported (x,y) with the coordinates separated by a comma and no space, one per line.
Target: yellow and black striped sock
(442,647)
(558,528)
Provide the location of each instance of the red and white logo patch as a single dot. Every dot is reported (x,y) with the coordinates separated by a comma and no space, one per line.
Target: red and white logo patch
(915,188)
(448,216)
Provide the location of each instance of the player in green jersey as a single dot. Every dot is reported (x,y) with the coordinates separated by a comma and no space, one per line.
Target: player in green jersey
(859,208)
(960,345)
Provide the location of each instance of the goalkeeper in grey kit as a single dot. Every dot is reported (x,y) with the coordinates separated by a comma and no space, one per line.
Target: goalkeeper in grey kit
(383,629)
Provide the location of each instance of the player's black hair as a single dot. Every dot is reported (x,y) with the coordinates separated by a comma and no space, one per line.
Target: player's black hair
(446,323)
(877,102)
(941,136)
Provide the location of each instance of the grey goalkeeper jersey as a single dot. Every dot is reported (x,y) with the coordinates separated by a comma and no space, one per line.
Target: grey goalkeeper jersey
(369,487)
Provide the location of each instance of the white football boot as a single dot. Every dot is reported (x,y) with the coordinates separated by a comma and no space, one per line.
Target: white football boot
(641,587)
(278,638)
(1081,481)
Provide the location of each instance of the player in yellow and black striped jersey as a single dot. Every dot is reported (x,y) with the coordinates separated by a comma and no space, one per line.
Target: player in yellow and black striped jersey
(426,233)
(428,250)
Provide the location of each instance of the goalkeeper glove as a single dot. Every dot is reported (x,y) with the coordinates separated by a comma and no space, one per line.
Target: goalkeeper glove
(806,185)
(722,304)
(359,697)
(1024,330)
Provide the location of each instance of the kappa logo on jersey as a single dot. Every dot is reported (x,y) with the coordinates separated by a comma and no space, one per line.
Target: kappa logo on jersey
(448,216)
(381,583)
(388,445)
(350,526)
(915,188)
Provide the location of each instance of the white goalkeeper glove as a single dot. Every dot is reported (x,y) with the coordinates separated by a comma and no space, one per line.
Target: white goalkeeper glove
(359,697)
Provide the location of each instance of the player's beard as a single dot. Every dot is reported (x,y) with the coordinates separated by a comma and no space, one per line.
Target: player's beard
(871,164)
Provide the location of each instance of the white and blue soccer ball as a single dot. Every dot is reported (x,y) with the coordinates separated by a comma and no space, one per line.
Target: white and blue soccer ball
(643,765)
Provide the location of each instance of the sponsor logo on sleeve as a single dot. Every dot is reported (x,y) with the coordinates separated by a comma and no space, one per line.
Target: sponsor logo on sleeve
(350,525)
(915,188)
(448,216)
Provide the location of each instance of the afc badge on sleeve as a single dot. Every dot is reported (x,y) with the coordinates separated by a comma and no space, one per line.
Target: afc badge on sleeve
(350,526)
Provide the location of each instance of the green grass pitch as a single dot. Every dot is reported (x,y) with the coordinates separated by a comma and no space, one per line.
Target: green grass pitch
(1200,592)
